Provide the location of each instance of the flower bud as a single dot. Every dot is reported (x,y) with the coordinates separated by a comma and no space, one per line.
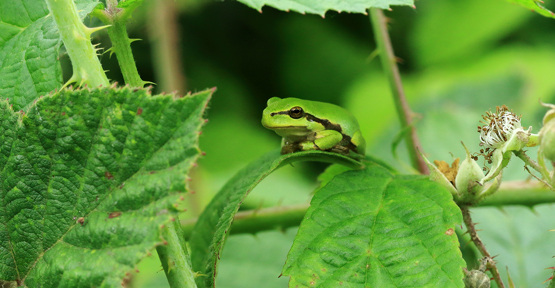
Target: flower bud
(469,176)
(476,279)
(547,134)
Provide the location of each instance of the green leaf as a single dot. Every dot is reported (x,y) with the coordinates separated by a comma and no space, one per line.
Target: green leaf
(29,50)
(368,228)
(88,178)
(211,230)
(534,5)
(321,6)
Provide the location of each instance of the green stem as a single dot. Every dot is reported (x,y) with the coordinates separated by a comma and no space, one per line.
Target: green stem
(175,257)
(117,18)
(254,221)
(389,65)
(525,193)
(120,45)
(76,37)
(528,161)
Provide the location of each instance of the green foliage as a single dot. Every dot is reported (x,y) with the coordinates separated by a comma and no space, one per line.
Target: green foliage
(534,5)
(321,6)
(368,228)
(89,177)
(211,230)
(29,45)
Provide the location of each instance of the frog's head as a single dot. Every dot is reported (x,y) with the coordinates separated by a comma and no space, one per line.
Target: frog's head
(289,117)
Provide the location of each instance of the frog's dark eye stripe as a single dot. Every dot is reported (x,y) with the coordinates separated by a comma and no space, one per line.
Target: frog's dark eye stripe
(296,112)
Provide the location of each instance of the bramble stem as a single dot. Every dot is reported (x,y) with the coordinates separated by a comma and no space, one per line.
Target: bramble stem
(528,161)
(480,245)
(76,37)
(117,18)
(175,257)
(254,221)
(527,193)
(389,65)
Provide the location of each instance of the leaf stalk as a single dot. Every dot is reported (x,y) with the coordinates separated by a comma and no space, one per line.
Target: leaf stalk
(175,257)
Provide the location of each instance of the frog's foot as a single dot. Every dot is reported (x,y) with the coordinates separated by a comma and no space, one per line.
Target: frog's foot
(340,149)
(290,148)
(308,146)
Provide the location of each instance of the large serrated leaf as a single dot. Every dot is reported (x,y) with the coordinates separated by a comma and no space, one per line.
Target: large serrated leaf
(368,228)
(321,6)
(88,178)
(29,50)
(210,232)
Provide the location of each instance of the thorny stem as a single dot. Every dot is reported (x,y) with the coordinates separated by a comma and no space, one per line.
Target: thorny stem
(76,37)
(117,18)
(528,193)
(389,65)
(480,245)
(528,161)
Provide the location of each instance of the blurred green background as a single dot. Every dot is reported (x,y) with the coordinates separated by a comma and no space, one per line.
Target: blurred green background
(457,58)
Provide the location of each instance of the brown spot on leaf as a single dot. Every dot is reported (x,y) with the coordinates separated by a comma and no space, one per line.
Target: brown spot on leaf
(108,175)
(449,232)
(114,214)
(81,220)
(139,111)
(63,113)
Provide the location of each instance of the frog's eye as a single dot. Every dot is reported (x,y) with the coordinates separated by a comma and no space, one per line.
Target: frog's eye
(296,112)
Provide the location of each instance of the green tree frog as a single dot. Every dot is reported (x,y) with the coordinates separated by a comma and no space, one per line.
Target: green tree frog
(311,125)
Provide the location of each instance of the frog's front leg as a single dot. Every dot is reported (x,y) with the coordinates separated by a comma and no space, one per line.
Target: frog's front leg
(321,140)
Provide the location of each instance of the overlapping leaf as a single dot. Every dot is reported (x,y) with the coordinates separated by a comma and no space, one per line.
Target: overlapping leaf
(87,178)
(211,230)
(29,50)
(368,228)
(321,6)
(534,5)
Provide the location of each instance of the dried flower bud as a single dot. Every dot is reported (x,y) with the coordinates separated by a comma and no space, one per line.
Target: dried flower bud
(502,130)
